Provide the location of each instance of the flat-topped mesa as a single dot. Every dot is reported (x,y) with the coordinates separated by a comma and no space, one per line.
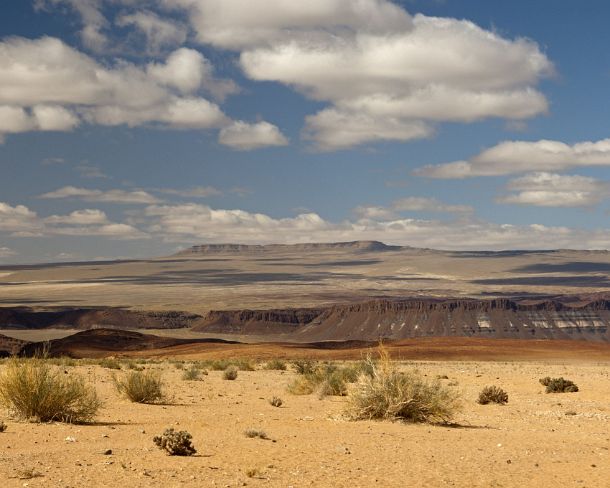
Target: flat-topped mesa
(359,246)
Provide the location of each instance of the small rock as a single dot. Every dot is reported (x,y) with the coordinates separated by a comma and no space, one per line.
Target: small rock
(107,452)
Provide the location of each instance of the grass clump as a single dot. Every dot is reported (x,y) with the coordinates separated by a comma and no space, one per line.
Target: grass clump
(141,387)
(304,366)
(230,373)
(492,394)
(191,374)
(33,389)
(276,364)
(175,443)
(558,385)
(254,433)
(276,401)
(327,378)
(110,363)
(240,364)
(390,394)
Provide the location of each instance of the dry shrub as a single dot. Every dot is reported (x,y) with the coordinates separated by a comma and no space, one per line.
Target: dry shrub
(276,401)
(304,366)
(254,433)
(33,389)
(191,374)
(276,364)
(492,394)
(110,363)
(390,394)
(558,385)
(241,364)
(326,379)
(175,443)
(230,373)
(141,386)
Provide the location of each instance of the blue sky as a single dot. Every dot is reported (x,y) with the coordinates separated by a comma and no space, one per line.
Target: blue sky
(135,128)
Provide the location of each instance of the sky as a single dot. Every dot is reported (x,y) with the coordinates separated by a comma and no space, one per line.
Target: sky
(135,128)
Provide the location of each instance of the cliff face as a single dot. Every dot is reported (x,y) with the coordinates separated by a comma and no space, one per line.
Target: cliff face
(401,319)
(257,321)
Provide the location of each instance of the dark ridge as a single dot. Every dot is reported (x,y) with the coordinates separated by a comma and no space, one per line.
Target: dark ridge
(100,342)
(88,318)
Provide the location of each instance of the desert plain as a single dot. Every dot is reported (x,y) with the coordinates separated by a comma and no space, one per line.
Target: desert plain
(536,439)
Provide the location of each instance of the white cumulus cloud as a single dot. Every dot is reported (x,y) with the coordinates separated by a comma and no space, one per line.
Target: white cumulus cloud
(244,136)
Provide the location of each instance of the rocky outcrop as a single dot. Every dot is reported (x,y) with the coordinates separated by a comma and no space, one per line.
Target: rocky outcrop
(425,317)
(90,318)
(361,246)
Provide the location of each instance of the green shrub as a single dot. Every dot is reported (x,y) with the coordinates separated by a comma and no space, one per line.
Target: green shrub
(390,394)
(230,373)
(492,394)
(141,386)
(175,443)
(276,364)
(558,385)
(33,389)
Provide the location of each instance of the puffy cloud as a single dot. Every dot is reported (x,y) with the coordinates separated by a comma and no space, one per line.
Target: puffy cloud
(20,221)
(47,85)
(188,70)
(553,190)
(384,72)
(332,129)
(79,217)
(511,157)
(234,24)
(108,196)
(200,223)
(243,136)
(159,33)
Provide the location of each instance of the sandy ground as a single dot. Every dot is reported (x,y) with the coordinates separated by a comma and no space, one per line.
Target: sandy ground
(529,442)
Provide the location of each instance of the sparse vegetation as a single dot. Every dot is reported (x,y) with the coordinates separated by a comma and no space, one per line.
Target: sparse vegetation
(175,443)
(191,374)
(276,364)
(276,401)
(230,373)
(253,433)
(558,385)
(240,364)
(304,366)
(110,363)
(391,394)
(327,379)
(492,394)
(141,386)
(34,390)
